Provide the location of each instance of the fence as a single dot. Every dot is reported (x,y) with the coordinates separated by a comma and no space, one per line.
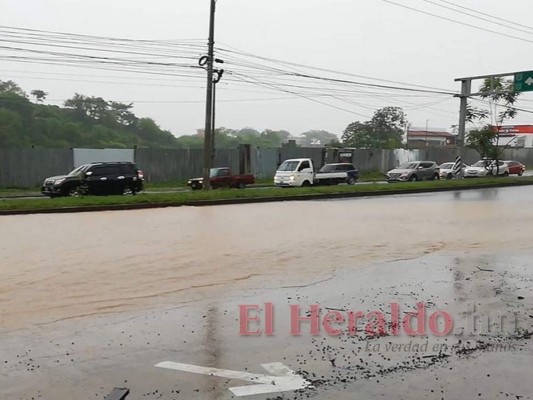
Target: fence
(29,167)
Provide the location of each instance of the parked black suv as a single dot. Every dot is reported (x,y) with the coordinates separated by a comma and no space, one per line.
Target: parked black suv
(98,178)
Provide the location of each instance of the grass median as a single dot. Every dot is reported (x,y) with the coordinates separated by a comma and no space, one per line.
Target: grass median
(221,195)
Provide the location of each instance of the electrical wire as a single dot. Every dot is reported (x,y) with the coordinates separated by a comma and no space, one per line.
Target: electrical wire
(458,22)
(476,16)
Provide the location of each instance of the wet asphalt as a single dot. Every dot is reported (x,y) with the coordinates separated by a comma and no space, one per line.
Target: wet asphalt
(479,285)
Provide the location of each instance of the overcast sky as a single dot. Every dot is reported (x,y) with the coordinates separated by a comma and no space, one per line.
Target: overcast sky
(369,41)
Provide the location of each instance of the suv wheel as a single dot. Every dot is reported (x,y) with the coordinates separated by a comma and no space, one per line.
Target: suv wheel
(351,180)
(74,191)
(127,191)
(435,177)
(413,178)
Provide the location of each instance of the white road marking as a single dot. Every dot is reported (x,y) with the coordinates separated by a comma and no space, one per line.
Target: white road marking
(282,379)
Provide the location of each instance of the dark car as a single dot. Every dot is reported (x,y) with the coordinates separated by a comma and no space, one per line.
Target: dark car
(515,168)
(222,178)
(333,174)
(98,178)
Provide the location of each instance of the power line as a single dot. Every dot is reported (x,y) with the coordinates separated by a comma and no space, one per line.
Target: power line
(487,15)
(236,51)
(478,17)
(458,22)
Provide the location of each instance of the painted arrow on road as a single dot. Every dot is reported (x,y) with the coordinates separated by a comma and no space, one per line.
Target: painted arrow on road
(282,379)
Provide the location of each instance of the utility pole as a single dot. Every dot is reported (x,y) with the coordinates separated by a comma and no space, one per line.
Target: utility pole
(466,89)
(523,82)
(427,123)
(217,76)
(208,133)
(213,129)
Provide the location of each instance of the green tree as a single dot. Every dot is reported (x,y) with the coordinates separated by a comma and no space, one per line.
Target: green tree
(10,129)
(359,135)
(40,95)
(122,113)
(12,88)
(192,142)
(273,139)
(384,130)
(501,98)
(317,137)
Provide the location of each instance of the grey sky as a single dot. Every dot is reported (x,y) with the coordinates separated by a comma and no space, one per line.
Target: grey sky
(364,37)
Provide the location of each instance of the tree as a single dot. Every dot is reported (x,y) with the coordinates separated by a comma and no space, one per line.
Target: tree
(40,95)
(501,98)
(359,135)
(384,130)
(11,88)
(389,125)
(270,138)
(122,113)
(317,137)
(10,129)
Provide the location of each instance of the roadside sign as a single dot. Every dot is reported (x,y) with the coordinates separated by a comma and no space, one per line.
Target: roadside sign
(523,81)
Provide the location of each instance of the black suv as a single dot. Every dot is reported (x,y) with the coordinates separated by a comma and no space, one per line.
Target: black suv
(98,178)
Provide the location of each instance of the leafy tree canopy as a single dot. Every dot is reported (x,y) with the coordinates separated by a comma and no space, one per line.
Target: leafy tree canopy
(501,98)
(89,121)
(385,130)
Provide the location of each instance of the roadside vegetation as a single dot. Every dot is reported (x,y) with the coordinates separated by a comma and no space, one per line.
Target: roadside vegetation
(200,197)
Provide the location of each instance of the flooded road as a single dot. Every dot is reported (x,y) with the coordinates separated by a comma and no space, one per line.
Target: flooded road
(93,301)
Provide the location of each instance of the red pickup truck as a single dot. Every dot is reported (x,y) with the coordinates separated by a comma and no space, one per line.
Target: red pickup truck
(222,177)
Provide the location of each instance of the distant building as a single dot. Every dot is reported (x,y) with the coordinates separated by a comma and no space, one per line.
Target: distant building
(417,138)
(516,136)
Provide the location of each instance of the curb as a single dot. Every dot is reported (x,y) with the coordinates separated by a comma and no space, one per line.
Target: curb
(300,197)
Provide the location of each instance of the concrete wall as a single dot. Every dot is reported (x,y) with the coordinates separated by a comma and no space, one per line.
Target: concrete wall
(29,167)
(87,156)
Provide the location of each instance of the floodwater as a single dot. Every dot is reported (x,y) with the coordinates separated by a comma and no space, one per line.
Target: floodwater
(94,300)
(62,266)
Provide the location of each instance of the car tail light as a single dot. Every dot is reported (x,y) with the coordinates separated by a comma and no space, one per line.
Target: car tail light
(140,174)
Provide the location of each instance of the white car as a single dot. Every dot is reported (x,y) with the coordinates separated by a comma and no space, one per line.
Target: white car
(486,168)
(446,170)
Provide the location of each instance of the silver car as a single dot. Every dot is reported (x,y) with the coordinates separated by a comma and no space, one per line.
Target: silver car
(446,170)
(414,171)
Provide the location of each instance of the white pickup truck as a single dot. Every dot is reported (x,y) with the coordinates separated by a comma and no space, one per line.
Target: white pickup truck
(298,172)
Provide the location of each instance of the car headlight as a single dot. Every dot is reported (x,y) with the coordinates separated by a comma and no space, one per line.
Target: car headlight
(59,181)
(292,178)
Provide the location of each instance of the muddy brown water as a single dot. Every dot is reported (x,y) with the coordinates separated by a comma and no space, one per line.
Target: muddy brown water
(61,266)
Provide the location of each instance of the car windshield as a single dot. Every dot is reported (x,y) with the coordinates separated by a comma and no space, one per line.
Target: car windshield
(408,165)
(289,166)
(448,165)
(481,163)
(213,172)
(328,168)
(77,171)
